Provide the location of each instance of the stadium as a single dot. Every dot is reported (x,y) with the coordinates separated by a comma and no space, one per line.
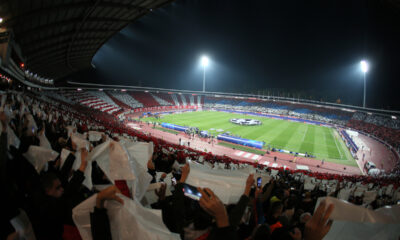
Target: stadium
(93,160)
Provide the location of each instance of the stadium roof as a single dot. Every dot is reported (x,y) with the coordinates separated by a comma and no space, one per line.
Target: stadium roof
(59,37)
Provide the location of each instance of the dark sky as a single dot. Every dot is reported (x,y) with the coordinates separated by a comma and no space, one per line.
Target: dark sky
(309,46)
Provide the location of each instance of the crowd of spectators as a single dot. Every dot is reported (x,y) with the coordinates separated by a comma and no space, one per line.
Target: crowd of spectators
(386,128)
(48,190)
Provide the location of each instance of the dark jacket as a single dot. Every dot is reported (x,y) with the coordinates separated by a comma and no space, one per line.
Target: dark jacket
(52,213)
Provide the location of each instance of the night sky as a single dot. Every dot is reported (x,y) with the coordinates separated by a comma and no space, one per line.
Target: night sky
(312,48)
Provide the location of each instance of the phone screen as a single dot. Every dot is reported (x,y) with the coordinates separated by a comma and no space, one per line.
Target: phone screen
(191,192)
(259,182)
(173,181)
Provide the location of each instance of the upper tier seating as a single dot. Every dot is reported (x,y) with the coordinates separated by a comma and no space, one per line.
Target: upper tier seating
(126,98)
(160,100)
(183,99)
(58,96)
(94,99)
(175,99)
(145,98)
(165,96)
(191,99)
(199,100)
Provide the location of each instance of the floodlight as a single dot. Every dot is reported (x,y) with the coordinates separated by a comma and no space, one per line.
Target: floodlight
(204,61)
(364,66)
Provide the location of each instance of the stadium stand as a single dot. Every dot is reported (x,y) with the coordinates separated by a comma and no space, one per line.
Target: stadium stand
(166,97)
(93,99)
(191,99)
(125,99)
(54,200)
(161,101)
(183,99)
(145,98)
(200,101)
(175,99)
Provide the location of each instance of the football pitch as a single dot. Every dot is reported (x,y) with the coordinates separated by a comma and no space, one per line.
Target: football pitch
(322,142)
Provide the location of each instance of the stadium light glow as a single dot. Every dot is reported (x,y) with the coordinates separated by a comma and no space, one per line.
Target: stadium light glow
(364,66)
(364,69)
(204,63)
(1,20)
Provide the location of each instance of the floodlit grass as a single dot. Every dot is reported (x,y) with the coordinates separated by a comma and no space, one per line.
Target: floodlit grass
(323,142)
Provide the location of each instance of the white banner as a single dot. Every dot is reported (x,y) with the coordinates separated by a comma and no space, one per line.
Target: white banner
(227,185)
(117,164)
(355,222)
(39,156)
(128,221)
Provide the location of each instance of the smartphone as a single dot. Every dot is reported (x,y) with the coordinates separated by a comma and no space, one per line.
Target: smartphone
(259,181)
(173,181)
(191,192)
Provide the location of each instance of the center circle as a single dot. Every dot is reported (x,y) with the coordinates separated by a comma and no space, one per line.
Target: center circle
(245,121)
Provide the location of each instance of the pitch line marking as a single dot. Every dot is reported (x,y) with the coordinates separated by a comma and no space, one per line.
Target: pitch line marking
(335,138)
(239,153)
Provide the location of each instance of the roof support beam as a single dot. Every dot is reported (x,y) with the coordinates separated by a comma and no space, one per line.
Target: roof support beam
(34,41)
(66,22)
(47,48)
(69,6)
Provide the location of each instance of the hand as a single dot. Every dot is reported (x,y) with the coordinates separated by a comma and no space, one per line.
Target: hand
(289,213)
(185,173)
(213,206)
(318,226)
(109,193)
(84,154)
(163,176)
(13,236)
(296,234)
(161,191)
(249,183)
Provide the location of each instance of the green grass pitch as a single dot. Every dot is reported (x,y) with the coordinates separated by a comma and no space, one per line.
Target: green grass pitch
(323,142)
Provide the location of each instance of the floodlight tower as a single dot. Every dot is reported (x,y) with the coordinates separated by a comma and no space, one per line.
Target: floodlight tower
(204,63)
(364,69)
